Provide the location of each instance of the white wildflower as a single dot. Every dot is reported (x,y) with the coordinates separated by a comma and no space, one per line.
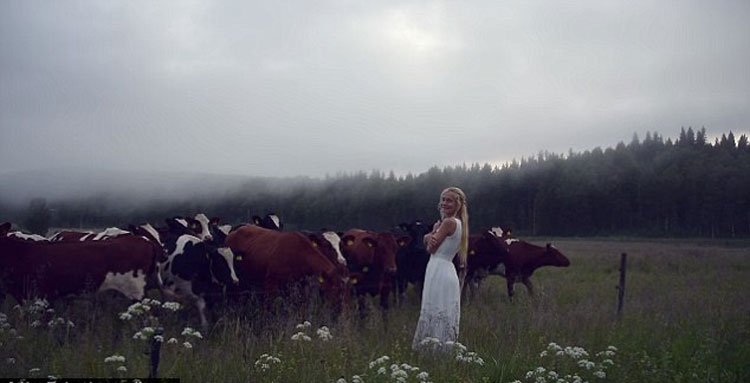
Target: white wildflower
(10,360)
(382,371)
(341,380)
(114,359)
(34,370)
(301,336)
(324,334)
(172,341)
(173,306)
(304,325)
(600,374)
(423,376)
(357,379)
(187,345)
(122,369)
(399,373)
(159,338)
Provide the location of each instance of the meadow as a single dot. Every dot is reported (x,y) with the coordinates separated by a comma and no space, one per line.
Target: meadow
(686,318)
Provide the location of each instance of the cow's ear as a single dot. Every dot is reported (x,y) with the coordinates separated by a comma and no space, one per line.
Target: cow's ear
(403,241)
(549,246)
(174,225)
(321,279)
(256,220)
(313,241)
(214,221)
(348,240)
(4,228)
(369,242)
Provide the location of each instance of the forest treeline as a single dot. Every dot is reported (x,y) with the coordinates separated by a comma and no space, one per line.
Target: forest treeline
(655,187)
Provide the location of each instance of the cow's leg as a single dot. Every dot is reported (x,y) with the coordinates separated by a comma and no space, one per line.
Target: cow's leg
(510,282)
(529,286)
(200,303)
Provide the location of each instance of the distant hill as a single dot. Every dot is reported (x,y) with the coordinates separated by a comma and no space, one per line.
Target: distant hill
(18,188)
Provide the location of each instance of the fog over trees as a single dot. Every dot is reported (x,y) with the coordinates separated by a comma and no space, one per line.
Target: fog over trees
(686,187)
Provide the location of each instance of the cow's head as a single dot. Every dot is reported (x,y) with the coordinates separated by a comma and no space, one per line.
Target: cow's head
(387,247)
(555,257)
(200,224)
(416,231)
(271,221)
(222,257)
(4,229)
(358,247)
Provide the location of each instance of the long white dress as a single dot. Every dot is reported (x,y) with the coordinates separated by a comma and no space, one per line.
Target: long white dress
(441,297)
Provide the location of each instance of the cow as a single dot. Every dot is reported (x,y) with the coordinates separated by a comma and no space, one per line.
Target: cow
(192,270)
(273,261)
(72,236)
(371,258)
(412,258)
(53,270)
(486,253)
(523,259)
(269,221)
(329,244)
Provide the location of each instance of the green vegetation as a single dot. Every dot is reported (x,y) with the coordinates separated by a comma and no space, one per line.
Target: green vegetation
(685,319)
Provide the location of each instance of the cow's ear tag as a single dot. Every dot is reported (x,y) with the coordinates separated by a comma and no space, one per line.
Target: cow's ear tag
(365,269)
(238,258)
(401,243)
(349,242)
(353,281)
(314,244)
(321,279)
(369,244)
(472,252)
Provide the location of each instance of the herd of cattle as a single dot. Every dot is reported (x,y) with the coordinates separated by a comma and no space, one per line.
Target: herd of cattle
(192,259)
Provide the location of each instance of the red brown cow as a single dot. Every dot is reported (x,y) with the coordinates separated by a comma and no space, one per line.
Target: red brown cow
(524,258)
(273,260)
(371,258)
(53,270)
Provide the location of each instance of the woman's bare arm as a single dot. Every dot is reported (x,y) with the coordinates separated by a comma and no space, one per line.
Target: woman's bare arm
(446,228)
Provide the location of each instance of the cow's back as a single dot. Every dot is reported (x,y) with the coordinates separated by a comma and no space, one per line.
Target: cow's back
(64,268)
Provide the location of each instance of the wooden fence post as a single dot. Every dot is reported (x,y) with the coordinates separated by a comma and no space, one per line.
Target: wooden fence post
(156,342)
(621,286)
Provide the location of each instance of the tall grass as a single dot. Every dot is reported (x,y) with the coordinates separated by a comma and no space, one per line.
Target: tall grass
(685,319)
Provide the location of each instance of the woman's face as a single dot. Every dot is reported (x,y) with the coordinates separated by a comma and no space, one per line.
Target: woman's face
(449,204)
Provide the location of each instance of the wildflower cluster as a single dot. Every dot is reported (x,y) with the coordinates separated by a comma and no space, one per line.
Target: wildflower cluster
(147,306)
(38,310)
(266,361)
(463,355)
(117,359)
(380,370)
(575,360)
(458,350)
(323,333)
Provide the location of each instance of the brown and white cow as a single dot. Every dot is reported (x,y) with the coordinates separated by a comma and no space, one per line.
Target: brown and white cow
(53,270)
(272,261)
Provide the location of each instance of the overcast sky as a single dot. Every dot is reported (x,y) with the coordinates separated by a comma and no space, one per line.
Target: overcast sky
(286,88)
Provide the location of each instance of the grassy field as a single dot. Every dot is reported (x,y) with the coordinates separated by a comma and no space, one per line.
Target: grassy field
(686,318)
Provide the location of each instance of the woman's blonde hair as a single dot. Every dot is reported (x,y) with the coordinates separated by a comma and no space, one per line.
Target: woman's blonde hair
(463,215)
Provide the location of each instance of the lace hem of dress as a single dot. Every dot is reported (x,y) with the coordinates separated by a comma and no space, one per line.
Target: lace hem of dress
(436,334)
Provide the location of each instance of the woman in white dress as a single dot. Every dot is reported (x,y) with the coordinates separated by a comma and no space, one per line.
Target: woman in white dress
(441,296)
